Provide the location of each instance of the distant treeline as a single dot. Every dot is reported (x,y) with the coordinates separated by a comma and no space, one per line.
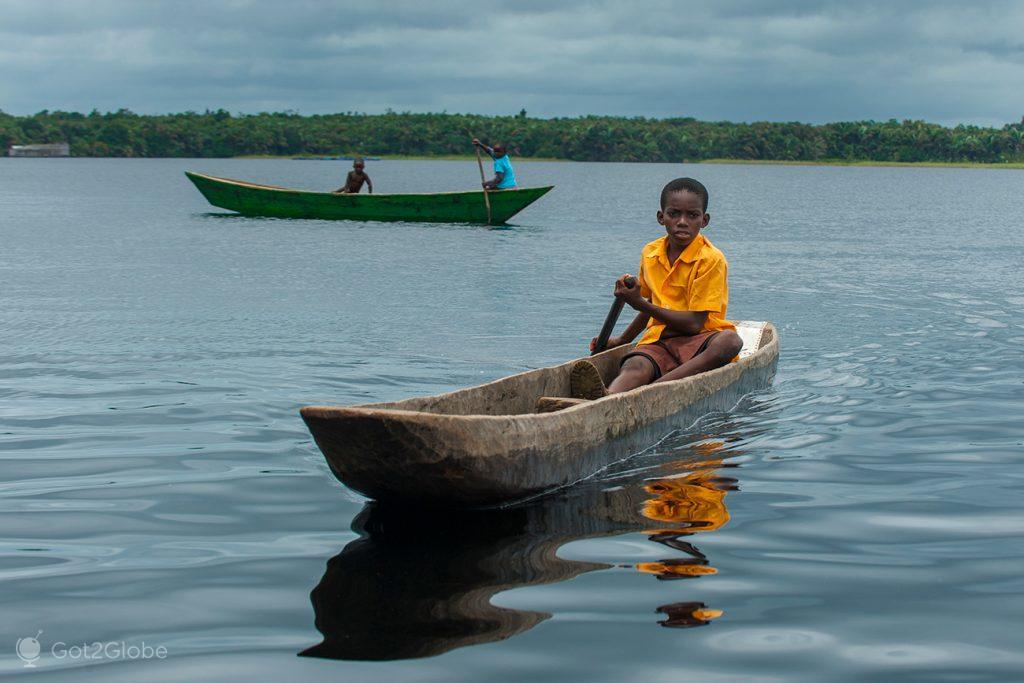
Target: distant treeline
(589,138)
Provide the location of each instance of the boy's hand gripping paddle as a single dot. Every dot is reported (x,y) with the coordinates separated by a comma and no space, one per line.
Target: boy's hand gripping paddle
(609,322)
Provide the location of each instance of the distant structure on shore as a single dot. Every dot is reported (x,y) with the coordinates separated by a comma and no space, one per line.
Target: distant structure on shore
(58,149)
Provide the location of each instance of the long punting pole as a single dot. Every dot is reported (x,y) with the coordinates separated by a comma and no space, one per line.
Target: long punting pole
(487,197)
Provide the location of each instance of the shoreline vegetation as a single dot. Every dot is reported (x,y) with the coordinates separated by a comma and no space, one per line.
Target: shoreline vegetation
(739,162)
(220,134)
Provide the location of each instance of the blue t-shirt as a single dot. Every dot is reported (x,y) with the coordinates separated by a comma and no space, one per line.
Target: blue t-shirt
(503,165)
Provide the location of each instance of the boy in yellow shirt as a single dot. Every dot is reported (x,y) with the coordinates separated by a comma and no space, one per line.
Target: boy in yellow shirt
(680,295)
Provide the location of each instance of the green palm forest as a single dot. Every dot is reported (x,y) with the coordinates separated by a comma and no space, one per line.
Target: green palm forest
(588,138)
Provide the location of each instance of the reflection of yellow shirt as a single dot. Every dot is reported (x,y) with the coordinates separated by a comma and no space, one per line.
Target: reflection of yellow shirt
(697,281)
(681,568)
(692,502)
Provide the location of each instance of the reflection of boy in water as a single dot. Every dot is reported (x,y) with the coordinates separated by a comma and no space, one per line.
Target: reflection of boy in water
(687,614)
(694,503)
(690,504)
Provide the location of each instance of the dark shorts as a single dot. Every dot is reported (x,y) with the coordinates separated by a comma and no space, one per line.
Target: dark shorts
(668,354)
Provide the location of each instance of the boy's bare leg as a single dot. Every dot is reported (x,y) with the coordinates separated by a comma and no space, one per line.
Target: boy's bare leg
(635,372)
(722,348)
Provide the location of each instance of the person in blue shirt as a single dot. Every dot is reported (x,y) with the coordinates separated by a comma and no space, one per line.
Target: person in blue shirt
(504,177)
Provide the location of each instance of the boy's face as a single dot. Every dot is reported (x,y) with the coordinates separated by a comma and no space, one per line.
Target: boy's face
(499,150)
(359,166)
(683,218)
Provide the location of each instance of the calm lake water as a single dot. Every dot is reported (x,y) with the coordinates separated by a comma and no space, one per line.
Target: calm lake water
(861,520)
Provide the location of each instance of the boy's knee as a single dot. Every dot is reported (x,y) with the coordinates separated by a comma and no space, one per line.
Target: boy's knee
(636,371)
(639,368)
(636,365)
(729,344)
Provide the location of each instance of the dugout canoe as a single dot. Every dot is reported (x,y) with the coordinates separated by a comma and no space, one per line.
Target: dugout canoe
(250,199)
(485,446)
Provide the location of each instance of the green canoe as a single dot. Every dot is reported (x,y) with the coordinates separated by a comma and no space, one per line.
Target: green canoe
(251,199)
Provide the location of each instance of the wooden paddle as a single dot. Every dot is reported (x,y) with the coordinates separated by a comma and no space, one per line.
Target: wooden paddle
(610,320)
(487,197)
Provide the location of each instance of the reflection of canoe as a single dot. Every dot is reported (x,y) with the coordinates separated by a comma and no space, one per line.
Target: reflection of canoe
(418,583)
(485,445)
(251,199)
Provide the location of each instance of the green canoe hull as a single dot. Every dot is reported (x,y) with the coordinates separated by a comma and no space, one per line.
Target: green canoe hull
(443,207)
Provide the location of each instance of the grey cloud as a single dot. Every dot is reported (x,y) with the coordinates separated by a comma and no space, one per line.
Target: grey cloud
(809,60)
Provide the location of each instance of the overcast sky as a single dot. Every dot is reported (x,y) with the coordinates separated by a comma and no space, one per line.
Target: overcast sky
(739,60)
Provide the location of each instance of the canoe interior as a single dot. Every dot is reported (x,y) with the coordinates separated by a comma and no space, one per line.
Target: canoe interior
(252,199)
(518,394)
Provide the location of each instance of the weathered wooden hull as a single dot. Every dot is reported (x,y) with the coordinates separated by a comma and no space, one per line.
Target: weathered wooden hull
(485,446)
(251,199)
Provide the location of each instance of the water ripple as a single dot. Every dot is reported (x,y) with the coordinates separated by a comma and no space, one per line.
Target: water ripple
(857,521)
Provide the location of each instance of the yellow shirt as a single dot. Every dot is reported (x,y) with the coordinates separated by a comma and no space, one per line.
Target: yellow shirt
(697,281)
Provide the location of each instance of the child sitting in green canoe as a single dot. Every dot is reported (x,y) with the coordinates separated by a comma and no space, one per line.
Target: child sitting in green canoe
(680,294)
(355,179)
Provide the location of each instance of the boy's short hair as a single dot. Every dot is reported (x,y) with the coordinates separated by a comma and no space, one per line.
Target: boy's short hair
(685,185)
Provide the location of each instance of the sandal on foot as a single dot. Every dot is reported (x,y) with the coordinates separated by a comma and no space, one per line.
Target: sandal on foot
(585,381)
